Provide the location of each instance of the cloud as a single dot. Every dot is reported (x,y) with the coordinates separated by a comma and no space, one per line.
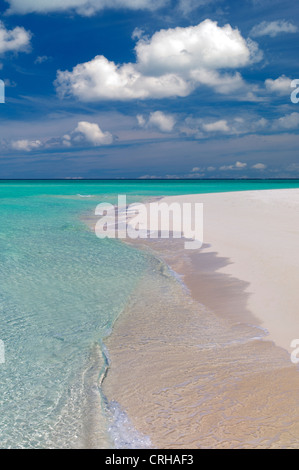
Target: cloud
(187,6)
(205,46)
(101,79)
(240,165)
(289,121)
(26,145)
(173,62)
(82,7)
(273,28)
(217,126)
(41,58)
(91,133)
(201,128)
(84,134)
(260,123)
(157,119)
(9,83)
(236,166)
(16,40)
(259,166)
(137,33)
(281,86)
(222,83)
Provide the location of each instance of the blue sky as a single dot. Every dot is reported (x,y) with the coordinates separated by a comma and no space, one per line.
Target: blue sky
(149,89)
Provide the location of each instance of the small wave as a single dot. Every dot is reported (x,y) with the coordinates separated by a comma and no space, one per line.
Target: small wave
(85,195)
(123,432)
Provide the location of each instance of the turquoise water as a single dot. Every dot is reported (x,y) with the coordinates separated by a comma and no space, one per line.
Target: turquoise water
(145,187)
(61,289)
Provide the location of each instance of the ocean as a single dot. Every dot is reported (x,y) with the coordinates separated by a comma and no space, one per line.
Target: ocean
(61,290)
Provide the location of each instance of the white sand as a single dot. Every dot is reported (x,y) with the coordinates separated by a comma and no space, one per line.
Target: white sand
(259,232)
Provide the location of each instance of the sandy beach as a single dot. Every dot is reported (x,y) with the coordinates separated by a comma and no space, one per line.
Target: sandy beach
(250,243)
(206,362)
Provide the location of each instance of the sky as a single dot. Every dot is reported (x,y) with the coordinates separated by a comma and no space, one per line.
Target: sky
(149,89)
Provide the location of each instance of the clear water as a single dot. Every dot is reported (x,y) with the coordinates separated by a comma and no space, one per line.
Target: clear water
(61,289)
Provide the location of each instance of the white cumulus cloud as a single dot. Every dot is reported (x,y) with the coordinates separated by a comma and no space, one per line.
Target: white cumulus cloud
(91,133)
(273,28)
(282,85)
(17,39)
(101,79)
(163,121)
(204,46)
(217,126)
(173,62)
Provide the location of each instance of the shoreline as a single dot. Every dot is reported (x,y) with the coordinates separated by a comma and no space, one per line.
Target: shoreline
(194,369)
(246,258)
(250,256)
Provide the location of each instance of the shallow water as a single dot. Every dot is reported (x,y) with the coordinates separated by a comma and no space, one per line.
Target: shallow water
(61,290)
